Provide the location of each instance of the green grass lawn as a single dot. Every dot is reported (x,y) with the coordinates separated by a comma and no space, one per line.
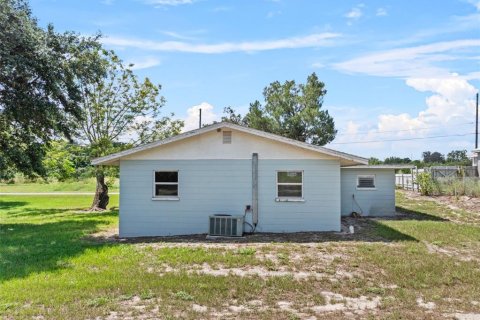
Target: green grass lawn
(85,185)
(52,264)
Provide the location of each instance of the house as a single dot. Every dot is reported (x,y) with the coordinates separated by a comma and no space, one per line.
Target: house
(475,160)
(172,186)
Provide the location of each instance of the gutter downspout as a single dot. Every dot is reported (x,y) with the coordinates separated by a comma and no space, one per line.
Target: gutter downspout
(255,189)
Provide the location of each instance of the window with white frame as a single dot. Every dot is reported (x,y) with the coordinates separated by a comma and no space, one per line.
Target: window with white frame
(165,184)
(290,184)
(366,182)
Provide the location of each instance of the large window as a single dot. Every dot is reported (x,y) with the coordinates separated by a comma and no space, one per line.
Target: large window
(165,184)
(289,185)
(366,182)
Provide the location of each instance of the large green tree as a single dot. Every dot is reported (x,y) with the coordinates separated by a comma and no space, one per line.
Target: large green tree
(458,157)
(291,110)
(40,72)
(120,108)
(433,157)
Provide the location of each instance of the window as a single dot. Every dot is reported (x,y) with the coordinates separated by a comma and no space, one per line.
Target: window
(366,182)
(227,137)
(289,185)
(165,184)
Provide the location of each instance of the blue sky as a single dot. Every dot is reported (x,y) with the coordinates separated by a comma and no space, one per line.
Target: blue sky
(394,70)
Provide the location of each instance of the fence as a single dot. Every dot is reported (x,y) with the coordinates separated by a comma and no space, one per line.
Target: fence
(408,181)
(452,171)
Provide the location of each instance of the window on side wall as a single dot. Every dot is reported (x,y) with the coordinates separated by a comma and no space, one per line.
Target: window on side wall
(289,185)
(366,182)
(165,185)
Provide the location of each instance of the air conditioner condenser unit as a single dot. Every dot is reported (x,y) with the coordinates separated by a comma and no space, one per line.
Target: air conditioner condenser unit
(225,225)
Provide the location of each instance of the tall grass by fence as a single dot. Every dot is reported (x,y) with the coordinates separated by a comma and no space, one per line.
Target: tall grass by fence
(454,181)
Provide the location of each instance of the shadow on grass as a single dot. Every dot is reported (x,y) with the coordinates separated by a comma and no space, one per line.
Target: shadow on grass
(408,214)
(34,212)
(30,248)
(5,205)
(390,234)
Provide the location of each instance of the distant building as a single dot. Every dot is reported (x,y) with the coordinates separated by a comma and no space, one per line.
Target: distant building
(475,159)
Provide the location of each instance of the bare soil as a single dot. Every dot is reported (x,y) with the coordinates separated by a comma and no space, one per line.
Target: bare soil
(363,231)
(469,204)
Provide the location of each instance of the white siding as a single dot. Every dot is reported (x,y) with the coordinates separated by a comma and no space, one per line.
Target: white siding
(378,202)
(210,145)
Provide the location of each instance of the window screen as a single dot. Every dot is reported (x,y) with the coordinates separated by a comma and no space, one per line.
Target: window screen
(289,184)
(166,184)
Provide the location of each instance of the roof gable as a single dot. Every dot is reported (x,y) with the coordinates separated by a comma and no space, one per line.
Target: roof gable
(271,144)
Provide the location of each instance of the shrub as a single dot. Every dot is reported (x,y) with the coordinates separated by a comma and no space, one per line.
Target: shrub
(426,183)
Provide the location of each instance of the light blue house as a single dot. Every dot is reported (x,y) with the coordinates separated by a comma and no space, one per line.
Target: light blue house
(171,187)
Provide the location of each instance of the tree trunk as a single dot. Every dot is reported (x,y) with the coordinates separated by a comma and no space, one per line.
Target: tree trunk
(100,201)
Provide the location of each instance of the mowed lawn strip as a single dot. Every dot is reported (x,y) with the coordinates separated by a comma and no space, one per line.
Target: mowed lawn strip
(51,266)
(83,185)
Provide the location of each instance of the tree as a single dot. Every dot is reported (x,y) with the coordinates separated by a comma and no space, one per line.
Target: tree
(58,162)
(39,74)
(374,161)
(458,157)
(65,160)
(397,160)
(231,116)
(291,110)
(433,157)
(120,108)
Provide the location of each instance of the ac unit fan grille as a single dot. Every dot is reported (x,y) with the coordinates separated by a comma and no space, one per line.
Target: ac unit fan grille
(226,226)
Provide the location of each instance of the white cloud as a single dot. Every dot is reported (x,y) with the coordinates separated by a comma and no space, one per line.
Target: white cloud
(160,3)
(475,3)
(176,35)
(318,65)
(309,41)
(408,62)
(354,13)
(451,25)
(381,12)
(448,111)
(208,116)
(145,63)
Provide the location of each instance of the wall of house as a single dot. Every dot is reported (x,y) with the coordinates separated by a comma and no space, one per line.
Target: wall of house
(209,145)
(213,186)
(378,202)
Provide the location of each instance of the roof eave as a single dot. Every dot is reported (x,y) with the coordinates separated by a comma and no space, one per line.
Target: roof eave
(394,167)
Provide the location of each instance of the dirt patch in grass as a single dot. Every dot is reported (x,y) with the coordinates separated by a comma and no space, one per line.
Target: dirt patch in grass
(465,203)
(468,252)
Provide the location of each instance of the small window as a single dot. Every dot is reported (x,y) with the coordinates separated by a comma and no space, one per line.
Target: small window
(290,184)
(366,182)
(165,184)
(227,137)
